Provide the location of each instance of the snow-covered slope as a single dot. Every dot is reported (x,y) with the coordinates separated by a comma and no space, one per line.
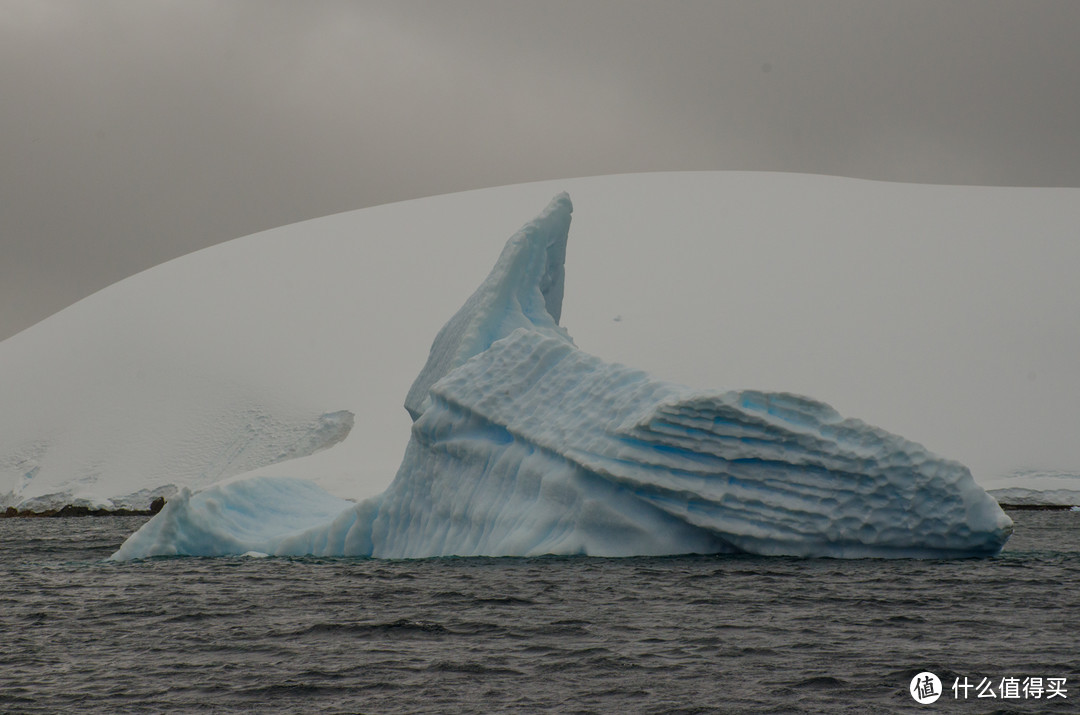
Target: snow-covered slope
(525,445)
(941,313)
(1026,487)
(1019,496)
(225,434)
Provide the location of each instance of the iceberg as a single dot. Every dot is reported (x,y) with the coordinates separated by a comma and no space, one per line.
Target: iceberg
(522,444)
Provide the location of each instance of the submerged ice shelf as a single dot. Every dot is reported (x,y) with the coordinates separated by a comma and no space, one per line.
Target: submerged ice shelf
(523,444)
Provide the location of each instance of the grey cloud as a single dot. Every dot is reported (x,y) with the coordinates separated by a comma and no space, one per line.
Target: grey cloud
(135,131)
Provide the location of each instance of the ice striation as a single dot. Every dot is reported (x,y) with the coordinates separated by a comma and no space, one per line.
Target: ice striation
(524,445)
(233,518)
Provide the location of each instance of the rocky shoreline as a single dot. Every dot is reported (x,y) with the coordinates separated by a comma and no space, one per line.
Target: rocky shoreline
(72,511)
(156,506)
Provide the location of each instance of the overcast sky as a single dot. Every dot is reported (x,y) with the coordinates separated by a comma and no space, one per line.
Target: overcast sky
(138,130)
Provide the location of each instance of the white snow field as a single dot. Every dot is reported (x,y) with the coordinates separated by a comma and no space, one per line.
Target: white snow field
(942,313)
(1036,488)
(525,445)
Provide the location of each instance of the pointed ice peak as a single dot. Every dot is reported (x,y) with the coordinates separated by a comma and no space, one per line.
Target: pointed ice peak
(523,290)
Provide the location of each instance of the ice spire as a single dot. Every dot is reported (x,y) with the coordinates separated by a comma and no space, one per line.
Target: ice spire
(523,290)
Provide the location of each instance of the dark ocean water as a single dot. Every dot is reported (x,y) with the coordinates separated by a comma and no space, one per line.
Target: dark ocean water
(686,634)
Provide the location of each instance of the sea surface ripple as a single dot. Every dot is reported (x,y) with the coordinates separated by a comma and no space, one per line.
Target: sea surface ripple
(683,634)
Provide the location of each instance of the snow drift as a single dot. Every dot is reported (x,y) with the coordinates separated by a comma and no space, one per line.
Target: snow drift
(524,445)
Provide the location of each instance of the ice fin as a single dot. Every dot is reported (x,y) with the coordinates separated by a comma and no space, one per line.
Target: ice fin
(523,290)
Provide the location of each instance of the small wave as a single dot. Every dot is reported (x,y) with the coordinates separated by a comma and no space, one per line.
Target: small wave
(187,617)
(401,625)
(820,682)
(472,668)
(507,600)
(567,629)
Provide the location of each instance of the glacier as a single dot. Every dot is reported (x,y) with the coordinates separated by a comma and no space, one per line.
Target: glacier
(235,433)
(857,291)
(1036,488)
(522,444)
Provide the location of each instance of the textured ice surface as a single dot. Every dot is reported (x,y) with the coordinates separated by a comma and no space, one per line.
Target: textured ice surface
(523,445)
(535,447)
(233,518)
